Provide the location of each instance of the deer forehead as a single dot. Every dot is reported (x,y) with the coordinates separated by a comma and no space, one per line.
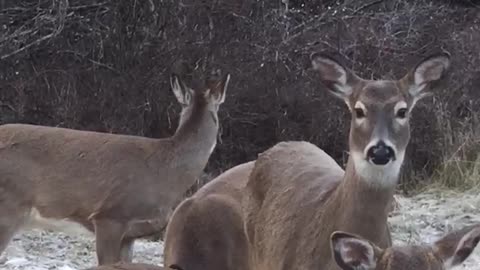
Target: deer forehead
(379,93)
(411,257)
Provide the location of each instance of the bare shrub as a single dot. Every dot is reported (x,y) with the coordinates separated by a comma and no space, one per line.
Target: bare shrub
(104,65)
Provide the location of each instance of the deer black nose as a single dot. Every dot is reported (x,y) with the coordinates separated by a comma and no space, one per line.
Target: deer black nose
(380,154)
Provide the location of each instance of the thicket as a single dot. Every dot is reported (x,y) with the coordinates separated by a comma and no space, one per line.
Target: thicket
(104,66)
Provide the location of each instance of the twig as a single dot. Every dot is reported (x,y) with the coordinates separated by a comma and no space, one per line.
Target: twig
(104,65)
(87,6)
(366,6)
(8,106)
(27,46)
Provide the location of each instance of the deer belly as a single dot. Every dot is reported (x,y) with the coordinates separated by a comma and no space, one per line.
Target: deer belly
(35,220)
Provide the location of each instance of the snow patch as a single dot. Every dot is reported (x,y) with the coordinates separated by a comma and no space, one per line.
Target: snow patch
(423,218)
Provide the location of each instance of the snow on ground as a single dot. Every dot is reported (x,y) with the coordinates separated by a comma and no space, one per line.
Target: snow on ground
(44,250)
(422,218)
(428,216)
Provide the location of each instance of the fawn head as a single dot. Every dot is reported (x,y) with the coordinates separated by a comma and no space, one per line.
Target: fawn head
(210,96)
(352,252)
(380,109)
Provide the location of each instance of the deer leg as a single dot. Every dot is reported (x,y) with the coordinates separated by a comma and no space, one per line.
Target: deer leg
(8,226)
(10,223)
(389,236)
(12,216)
(108,240)
(127,250)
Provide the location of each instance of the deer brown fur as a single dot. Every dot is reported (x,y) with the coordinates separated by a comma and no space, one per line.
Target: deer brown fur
(206,230)
(296,195)
(106,182)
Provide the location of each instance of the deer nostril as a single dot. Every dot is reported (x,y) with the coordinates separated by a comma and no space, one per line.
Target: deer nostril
(380,154)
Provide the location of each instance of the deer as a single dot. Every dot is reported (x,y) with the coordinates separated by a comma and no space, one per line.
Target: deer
(352,251)
(297,195)
(294,195)
(109,184)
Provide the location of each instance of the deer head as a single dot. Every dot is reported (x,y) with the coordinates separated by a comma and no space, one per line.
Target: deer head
(352,252)
(211,96)
(380,109)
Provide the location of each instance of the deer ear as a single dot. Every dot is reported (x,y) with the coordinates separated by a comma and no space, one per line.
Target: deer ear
(181,91)
(456,247)
(218,89)
(426,72)
(339,80)
(353,252)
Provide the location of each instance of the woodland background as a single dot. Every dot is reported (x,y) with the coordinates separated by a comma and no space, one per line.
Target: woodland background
(104,66)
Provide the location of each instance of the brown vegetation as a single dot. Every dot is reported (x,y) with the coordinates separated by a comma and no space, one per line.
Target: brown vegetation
(104,66)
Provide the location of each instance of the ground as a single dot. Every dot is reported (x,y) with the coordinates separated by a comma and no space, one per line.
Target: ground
(421,218)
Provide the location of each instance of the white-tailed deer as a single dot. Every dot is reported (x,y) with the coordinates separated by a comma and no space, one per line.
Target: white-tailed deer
(296,195)
(108,183)
(355,252)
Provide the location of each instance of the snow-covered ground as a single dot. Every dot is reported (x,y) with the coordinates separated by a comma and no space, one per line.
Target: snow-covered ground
(422,218)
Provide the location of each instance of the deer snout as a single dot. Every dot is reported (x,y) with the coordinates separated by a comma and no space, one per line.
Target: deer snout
(380,153)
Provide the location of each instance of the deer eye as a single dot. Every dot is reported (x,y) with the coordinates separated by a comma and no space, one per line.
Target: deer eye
(402,113)
(359,113)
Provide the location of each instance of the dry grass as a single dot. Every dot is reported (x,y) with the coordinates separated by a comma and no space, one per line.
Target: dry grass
(460,165)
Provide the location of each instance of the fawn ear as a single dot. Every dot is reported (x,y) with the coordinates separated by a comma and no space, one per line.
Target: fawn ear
(217,87)
(456,247)
(338,79)
(181,91)
(353,252)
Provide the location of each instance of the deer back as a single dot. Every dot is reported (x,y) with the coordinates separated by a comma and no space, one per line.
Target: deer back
(285,191)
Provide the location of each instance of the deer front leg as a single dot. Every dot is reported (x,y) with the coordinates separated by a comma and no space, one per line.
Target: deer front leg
(109,241)
(12,215)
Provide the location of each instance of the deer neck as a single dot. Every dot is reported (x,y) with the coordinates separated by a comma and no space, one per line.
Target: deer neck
(364,203)
(199,125)
(191,147)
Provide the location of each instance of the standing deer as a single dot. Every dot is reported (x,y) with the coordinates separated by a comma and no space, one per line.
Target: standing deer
(108,183)
(295,195)
(355,252)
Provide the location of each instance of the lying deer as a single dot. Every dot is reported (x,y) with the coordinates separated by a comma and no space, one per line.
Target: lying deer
(295,195)
(298,195)
(108,183)
(355,252)
(206,230)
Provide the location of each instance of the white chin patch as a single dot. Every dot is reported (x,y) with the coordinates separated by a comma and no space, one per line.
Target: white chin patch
(378,175)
